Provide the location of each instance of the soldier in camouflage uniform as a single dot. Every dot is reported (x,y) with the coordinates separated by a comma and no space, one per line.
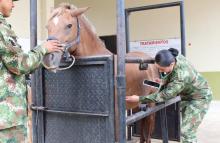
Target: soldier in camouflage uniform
(181,79)
(14,64)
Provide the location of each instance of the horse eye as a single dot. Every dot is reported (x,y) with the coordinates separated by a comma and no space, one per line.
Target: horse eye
(69,25)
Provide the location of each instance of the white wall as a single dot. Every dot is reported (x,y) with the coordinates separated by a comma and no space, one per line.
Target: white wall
(101,13)
(203,33)
(20,20)
(202,24)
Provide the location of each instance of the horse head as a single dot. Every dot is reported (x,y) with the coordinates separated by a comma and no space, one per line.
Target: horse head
(63,25)
(77,35)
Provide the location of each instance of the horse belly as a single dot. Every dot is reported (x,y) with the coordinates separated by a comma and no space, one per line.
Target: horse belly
(134,83)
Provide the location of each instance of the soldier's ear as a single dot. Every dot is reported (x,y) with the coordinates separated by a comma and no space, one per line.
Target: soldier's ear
(172,65)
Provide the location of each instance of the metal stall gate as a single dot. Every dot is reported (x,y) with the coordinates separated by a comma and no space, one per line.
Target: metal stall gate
(172,112)
(75,105)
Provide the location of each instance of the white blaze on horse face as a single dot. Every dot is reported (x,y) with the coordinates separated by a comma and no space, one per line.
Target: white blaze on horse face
(55,20)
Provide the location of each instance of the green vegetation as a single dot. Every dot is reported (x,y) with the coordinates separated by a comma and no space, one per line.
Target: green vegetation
(214,81)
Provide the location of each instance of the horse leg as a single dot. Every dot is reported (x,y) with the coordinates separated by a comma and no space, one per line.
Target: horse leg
(148,127)
(142,138)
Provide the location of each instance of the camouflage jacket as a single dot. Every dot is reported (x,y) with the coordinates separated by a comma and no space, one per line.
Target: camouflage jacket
(183,80)
(14,64)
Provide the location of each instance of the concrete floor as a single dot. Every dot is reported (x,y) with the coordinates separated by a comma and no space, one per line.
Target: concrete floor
(209,130)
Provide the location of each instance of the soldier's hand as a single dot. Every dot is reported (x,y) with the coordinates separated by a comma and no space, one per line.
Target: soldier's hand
(158,80)
(133,98)
(53,46)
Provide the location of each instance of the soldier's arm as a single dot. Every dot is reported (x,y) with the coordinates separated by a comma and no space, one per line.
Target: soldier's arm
(19,62)
(171,90)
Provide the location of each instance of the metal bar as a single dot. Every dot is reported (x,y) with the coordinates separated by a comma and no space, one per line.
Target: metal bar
(164,128)
(182,27)
(177,109)
(129,128)
(45,109)
(129,133)
(140,115)
(121,50)
(128,49)
(156,6)
(33,43)
(33,23)
(139,60)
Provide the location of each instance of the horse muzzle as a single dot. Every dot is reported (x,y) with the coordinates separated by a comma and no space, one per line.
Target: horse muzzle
(52,61)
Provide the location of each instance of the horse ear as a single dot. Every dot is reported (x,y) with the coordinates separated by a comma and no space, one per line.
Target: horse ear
(79,11)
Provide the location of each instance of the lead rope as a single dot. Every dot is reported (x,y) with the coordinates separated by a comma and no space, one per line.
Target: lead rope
(66,68)
(58,68)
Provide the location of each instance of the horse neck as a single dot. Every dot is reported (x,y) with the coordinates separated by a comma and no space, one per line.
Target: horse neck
(90,44)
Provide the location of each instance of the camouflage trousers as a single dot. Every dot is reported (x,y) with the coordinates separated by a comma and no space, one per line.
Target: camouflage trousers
(17,134)
(192,115)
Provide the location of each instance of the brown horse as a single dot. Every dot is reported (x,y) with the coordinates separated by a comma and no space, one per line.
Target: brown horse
(68,25)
